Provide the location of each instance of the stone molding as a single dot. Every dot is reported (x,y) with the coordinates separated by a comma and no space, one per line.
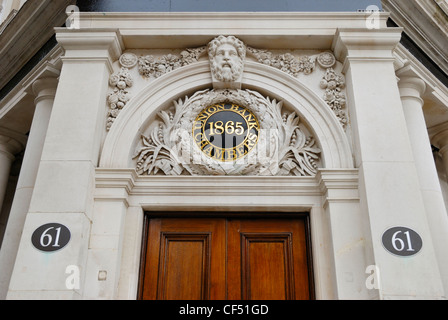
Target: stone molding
(23,36)
(45,88)
(350,44)
(439,136)
(412,88)
(185,29)
(11,143)
(90,45)
(128,183)
(435,92)
(409,78)
(425,22)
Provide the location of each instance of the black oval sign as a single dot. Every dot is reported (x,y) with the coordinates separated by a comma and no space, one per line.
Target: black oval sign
(51,237)
(226,131)
(402,241)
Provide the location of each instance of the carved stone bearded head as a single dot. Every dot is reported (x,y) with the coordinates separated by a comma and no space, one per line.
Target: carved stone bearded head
(227,56)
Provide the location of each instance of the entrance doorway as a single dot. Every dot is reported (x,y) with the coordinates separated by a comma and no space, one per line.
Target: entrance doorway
(226,259)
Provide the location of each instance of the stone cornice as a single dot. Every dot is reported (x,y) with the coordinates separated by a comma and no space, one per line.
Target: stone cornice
(30,29)
(406,61)
(11,142)
(270,30)
(411,85)
(436,93)
(425,23)
(44,88)
(364,44)
(90,45)
(329,185)
(127,20)
(23,93)
(134,184)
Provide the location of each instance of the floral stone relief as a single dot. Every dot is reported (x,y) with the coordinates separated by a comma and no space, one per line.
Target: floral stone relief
(334,97)
(285,62)
(152,67)
(117,99)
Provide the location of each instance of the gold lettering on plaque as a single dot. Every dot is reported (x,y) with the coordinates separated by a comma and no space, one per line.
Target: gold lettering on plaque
(226,131)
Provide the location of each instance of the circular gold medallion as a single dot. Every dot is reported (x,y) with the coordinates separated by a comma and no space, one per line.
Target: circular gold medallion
(226,131)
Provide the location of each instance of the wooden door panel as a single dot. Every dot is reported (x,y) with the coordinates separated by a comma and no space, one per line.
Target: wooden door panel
(267,260)
(184,266)
(185,260)
(218,259)
(267,266)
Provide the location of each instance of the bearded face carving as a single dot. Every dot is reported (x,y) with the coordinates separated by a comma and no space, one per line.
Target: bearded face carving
(227,56)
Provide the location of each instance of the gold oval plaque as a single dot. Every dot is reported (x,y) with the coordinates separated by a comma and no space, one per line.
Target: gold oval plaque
(226,131)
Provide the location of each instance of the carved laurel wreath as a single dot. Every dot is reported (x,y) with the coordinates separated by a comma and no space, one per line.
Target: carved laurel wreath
(283,149)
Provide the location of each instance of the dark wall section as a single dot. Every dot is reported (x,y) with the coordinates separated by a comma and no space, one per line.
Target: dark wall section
(41,54)
(223,5)
(420,55)
(229,6)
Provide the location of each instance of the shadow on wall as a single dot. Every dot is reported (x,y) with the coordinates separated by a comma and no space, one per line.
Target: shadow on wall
(224,6)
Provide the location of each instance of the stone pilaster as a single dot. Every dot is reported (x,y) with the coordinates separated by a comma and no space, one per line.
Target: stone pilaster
(411,88)
(64,188)
(389,187)
(44,90)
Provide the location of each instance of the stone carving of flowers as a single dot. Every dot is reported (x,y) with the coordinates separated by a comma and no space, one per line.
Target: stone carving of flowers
(113,97)
(286,62)
(307,65)
(117,99)
(329,96)
(326,60)
(149,66)
(147,60)
(114,113)
(121,85)
(128,60)
(295,67)
(187,58)
(113,80)
(333,96)
(265,57)
(331,85)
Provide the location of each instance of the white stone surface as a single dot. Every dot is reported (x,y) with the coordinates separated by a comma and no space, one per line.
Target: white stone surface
(389,185)
(252,194)
(37,267)
(369,178)
(64,185)
(411,89)
(44,90)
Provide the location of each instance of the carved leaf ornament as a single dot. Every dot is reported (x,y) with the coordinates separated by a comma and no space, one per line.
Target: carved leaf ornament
(283,149)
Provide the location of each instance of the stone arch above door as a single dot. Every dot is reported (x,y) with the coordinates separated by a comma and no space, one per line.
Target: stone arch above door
(180,84)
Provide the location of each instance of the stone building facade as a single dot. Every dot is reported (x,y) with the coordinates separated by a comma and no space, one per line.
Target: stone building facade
(157,155)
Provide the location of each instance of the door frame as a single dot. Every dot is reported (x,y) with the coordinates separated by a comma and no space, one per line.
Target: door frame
(148,215)
(331,198)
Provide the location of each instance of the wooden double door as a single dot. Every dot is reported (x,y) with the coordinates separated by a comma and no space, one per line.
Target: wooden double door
(226,259)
